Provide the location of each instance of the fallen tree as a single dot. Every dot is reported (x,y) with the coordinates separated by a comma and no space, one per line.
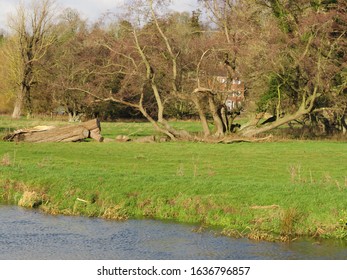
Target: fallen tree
(70,133)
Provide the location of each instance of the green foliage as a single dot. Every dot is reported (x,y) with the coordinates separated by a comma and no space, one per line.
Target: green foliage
(282,15)
(322,4)
(267,100)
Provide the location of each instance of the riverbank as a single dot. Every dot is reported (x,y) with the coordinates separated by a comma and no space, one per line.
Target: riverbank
(263,191)
(69,238)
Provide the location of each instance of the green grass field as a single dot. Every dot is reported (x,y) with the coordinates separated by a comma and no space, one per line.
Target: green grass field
(272,191)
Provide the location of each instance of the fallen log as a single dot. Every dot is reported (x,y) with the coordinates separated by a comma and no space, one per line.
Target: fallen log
(233,139)
(70,133)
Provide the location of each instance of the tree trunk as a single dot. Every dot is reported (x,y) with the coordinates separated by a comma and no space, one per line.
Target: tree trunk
(23,98)
(218,123)
(250,131)
(27,98)
(74,116)
(159,103)
(305,108)
(70,133)
(18,106)
(202,116)
(344,125)
(224,118)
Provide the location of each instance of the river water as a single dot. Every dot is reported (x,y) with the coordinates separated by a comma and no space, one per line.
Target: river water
(31,235)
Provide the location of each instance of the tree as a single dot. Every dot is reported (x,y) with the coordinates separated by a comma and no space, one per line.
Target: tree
(69,64)
(293,58)
(290,55)
(6,88)
(30,39)
(308,62)
(233,55)
(144,64)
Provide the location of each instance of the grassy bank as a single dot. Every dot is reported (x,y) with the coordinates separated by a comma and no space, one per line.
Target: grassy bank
(259,190)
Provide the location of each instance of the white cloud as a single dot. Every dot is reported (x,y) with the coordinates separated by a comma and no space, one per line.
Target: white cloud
(92,9)
(184,5)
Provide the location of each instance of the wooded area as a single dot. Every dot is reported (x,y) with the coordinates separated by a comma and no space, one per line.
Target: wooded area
(289,58)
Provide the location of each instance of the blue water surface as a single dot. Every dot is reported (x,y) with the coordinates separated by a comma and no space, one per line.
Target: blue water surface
(31,235)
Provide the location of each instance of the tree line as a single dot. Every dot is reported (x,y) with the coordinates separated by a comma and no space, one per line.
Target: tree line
(159,64)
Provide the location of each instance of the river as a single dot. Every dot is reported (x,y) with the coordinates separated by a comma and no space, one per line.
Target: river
(31,235)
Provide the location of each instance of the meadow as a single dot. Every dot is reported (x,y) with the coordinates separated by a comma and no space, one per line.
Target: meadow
(278,190)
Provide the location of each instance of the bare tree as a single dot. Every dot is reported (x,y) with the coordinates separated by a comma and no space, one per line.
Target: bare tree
(31,38)
(145,64)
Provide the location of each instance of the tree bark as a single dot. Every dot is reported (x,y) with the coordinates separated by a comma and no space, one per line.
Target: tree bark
(305,108)
(218,123)
(202,116)
(18,106)
(251,131)
(71,133)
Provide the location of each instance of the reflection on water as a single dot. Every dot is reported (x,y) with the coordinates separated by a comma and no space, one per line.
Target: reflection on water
(27,234)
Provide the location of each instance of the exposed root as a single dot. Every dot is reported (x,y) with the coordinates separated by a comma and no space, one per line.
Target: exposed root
(233,139)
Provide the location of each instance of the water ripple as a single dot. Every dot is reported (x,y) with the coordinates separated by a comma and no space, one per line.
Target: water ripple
(29,234)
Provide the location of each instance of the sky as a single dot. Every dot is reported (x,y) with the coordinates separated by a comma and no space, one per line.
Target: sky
(90,9)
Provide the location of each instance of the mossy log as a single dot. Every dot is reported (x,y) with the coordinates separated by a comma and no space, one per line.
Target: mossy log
(69,133)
